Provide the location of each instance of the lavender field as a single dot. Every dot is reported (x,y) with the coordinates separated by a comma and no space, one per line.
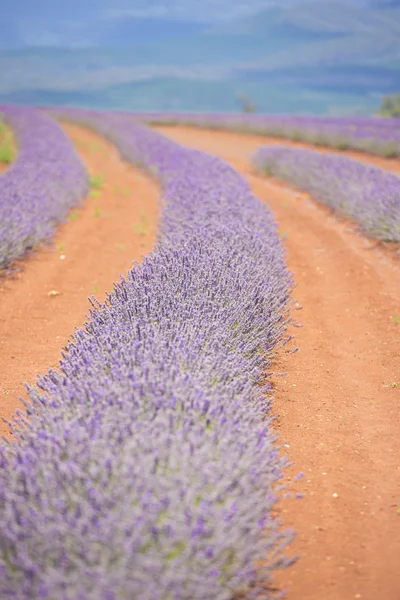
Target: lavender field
(147,462)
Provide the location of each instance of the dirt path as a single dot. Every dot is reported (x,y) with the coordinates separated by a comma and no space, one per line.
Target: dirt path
(338,405)
(116,226)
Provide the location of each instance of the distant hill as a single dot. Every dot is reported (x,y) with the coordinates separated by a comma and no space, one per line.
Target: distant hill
(333,56)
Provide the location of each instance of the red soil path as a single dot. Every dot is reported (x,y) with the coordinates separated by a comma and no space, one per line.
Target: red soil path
(100,242)
(339,410)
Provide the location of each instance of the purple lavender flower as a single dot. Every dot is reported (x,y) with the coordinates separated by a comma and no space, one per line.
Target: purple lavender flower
(148,468)
(46,180)
(365,193)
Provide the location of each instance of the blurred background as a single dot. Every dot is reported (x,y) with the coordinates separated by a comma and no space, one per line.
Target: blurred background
(293,56)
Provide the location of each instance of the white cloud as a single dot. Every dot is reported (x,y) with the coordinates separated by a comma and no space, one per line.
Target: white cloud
(192,10)
(137,13)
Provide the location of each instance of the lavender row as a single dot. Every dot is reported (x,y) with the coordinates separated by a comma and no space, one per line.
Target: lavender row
(364,193)
(376,135)
(46,180)
(148,468)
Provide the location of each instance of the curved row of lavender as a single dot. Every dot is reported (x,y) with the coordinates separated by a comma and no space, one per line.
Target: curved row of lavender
(365,193)
(149,468)
(46,180)
(376,135)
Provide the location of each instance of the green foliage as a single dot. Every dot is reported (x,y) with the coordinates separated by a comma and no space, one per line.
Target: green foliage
(73,215)
(7,153)
(268,169)
(390,150)
(342,144)
(295,135)
(154,171)
(246,105)
(96,181)
(142,227)
(390,106)
(176,551)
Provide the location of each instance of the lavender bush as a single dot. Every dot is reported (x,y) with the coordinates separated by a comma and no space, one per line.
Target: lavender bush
(46,180)
(148,467)
(365,193)
(375,135)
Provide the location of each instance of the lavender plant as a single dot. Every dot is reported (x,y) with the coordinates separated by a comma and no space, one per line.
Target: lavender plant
(146,467)
(365,193)
(45,181)
(375,135)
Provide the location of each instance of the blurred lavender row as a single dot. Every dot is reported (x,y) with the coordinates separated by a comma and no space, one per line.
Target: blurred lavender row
(376,135)
(362,192)
(149,468)
(46,180)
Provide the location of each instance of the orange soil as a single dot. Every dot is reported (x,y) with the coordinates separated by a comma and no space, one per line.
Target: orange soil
(99,242)
(338,405)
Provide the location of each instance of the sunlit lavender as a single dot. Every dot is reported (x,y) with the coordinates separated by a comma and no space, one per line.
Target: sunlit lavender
(148,468)
(365,193)
(376,135)
(46,180)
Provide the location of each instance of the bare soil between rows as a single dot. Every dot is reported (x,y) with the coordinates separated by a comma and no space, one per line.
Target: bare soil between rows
(339,411)
(41,307)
